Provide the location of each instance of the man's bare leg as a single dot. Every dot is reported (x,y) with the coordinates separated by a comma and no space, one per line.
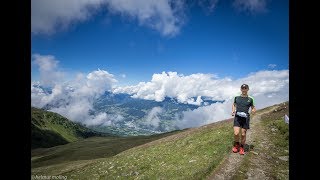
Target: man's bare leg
(236,131)
(243,136)
(236,144)
(243,141)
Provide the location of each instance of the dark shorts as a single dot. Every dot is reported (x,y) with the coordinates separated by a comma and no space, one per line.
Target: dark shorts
(241,122)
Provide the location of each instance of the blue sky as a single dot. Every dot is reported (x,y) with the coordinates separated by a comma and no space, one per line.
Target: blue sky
(226,40)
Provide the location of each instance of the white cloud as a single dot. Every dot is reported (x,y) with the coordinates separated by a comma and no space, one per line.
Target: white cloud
(152,118)
(204,115)
(252,6)
(104,119)
(198,101)
(99,81)
(186,87)
(220,111)
(267,88)
(272,66)
(48,68)
(123,75)
(165,16)
(182,87)
(50,16)
(75,98)
(268,82)
(38,95)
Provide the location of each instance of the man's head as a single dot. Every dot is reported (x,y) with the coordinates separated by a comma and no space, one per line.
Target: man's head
(244,88)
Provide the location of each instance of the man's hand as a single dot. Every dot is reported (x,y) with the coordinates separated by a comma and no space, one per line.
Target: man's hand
(253,110)
(233,111)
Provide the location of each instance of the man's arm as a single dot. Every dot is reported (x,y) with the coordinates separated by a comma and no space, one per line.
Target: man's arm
(233,109)
(253,109)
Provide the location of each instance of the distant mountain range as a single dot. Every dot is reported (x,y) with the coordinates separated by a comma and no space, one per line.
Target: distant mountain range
(135,113)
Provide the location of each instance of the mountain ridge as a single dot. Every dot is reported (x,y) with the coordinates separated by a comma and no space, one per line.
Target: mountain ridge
(50,129)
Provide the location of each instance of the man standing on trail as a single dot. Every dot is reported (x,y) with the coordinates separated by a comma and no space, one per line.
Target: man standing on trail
(240,111)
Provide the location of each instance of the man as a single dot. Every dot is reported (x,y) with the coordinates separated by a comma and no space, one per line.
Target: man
(240,111)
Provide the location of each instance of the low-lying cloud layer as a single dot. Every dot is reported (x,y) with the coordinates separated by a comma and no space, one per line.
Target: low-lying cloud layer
(74,99)
(185,87)
(267,87)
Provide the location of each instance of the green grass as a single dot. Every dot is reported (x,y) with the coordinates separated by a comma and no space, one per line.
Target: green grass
(50,129)
(280,144)
(281,137)
(243,168)
(192,156)
(70,137)
(88,149)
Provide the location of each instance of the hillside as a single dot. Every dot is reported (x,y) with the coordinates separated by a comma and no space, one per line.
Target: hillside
(195,153)
(65,157)
(51,129)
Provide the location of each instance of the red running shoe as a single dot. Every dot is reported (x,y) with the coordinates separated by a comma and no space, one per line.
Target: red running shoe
(241,152)
(235,148)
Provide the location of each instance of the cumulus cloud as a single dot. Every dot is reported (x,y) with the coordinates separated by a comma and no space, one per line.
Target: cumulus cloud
(222,110)
(204,115)
(50,16)
(252,6)
(79,96)
(152,118)
(48,69)
(74,99)
(267,87)
(104,119)
(198,101)
(165,16)
(184,88)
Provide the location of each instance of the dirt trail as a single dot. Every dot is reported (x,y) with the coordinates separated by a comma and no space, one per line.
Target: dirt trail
(231,163)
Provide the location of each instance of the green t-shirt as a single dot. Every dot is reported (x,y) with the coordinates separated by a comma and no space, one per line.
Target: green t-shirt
(243,103)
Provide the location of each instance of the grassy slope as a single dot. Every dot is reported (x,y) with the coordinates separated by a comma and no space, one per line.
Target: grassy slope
(86,150)
(51,129)
(280,141)
(192,154)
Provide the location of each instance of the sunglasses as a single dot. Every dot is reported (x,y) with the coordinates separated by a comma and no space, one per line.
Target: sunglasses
(244,88)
